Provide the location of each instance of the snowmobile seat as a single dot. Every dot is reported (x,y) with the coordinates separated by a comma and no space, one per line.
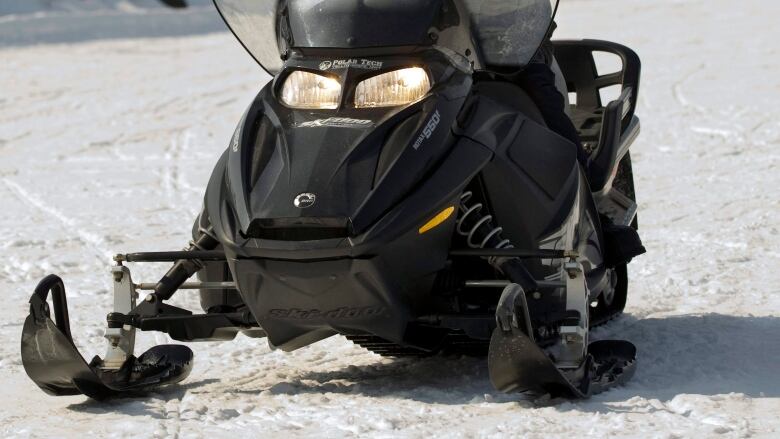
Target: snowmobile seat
(606,127)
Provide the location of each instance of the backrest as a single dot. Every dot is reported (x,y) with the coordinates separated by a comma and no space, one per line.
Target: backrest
(578,65)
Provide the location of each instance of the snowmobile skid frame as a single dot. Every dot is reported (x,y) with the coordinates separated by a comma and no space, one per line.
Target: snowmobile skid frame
(573,368)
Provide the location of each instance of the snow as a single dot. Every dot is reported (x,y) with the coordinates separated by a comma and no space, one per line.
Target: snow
(107,143)
(32,22)
(16,7)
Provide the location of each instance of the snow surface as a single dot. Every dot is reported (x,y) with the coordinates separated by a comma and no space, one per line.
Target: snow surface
(29,22)
(106,146)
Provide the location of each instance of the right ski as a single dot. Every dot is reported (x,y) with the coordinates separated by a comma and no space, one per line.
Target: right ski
(516,363)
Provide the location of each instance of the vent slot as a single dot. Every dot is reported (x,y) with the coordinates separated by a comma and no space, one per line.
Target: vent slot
(265,142)
(299,229)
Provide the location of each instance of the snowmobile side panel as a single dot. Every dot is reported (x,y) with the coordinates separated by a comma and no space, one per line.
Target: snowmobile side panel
(533,169)
(543,169)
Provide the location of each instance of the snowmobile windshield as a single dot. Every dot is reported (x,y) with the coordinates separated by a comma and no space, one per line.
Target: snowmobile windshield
(506,32)
(255,25)
(509,32)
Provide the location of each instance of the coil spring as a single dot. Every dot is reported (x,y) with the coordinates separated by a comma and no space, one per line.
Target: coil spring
(482,231)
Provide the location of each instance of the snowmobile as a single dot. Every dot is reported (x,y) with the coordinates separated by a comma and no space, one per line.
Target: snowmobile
(393,185)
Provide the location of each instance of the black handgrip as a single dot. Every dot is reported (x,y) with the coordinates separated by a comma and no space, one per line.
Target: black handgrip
(52,283)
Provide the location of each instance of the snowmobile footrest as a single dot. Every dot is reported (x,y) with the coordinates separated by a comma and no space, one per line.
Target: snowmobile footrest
(53,362)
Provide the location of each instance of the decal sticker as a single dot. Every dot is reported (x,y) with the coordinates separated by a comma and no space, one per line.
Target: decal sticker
(365,64)
(234,141)
(337,122)
(304,200)
(339,313)
(428,130)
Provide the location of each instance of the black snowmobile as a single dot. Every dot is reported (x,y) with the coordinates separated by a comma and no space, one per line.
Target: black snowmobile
(392,186)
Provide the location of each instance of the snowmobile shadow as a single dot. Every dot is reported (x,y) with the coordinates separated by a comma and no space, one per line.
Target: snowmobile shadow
(709,354)
(85,26)
(139,404)
(440,380)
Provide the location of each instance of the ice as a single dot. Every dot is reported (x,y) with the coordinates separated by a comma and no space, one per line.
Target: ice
(107,143)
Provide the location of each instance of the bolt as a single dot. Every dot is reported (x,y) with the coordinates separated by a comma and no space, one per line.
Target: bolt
(537,295)
(150,298)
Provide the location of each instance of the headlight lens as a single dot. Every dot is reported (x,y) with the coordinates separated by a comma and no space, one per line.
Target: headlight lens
(307,90)
(399,87)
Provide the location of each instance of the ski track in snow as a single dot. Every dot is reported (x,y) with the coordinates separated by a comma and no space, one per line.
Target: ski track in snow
(68,224)
(106,147)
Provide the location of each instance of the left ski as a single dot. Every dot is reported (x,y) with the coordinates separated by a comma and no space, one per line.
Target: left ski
(53,362)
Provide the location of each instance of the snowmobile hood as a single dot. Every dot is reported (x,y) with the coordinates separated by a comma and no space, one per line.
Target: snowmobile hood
(324,177)
(502,32)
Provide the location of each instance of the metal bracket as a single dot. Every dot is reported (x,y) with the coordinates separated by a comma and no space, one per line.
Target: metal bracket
(121,341)
(616,205)
(572,349)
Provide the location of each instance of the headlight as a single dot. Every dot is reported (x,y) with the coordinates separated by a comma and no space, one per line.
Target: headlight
(399,87)
(311,91)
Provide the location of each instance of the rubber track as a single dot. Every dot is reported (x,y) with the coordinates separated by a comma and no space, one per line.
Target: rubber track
(455,343)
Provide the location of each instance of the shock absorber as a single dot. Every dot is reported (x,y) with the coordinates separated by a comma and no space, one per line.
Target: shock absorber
(184,269)
(480,232)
